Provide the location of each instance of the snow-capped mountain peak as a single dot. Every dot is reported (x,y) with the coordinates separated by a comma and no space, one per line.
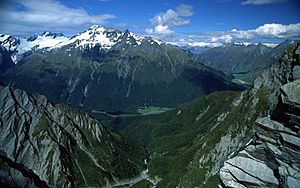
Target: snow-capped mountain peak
(51,34)
(10,43)
(19,46)
(106,38)
(94,35)
(3,37)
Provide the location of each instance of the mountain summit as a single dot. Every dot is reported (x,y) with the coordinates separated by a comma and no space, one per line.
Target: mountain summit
(106,38)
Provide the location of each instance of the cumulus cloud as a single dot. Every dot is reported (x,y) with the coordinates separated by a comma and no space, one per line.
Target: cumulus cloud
(266,31)
(170,18)
(162,22)
(269,33)
(193,40)
(160,29)
(35,15)
(261,2)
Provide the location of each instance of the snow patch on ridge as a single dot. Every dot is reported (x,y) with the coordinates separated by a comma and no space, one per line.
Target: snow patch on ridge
(40,42)
(3,38)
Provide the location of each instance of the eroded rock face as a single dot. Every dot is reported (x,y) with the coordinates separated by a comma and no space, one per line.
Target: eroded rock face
(42,144)
(290,93)
(272,158)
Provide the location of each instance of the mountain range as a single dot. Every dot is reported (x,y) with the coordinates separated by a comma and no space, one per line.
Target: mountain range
(106,69)
(109,108)
(244,62)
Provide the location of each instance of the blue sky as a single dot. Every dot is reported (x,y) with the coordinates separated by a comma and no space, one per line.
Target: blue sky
(209,15)
(182,22)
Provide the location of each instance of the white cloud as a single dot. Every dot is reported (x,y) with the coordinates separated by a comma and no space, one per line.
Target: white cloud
(204,44)
(277,30)
(164,21)
(46,15)
(191,40)
(169,18)
(184,10)
(266,31)
(160,29)
(223,38)
(270,34)
(261,2)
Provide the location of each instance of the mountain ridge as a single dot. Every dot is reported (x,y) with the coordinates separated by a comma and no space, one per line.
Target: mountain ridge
(121,74)
(245,62)
(52,145)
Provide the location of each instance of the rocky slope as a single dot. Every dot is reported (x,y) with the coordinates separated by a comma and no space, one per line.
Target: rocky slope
(271,159)
(109,70)
(47,145)
(189,144)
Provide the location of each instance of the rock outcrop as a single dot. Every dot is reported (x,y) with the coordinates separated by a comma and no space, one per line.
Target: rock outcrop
(47,145)
(271,158)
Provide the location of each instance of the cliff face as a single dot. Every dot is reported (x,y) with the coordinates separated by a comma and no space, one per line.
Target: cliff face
(42,144)
(271,158)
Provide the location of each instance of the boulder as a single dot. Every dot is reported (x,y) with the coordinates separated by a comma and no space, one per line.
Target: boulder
(296,72)
(290,93)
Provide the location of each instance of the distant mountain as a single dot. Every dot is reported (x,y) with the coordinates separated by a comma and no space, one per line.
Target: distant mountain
(245,62)
(196,49)
(47,145)
(18,47)
(110,70)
